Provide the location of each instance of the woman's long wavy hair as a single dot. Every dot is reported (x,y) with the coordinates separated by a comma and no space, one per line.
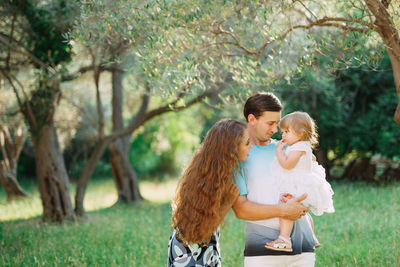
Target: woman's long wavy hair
(205,183)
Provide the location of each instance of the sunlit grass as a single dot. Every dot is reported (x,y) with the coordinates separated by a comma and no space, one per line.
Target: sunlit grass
(159,192)
(364,230)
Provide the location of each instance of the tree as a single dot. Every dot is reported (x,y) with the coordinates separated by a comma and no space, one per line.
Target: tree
(33,37)
(352,108)
(12,139)
(11,143)
(139,34)
(281,36)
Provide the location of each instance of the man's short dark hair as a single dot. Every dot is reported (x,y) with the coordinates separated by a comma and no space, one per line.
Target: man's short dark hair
(258,103)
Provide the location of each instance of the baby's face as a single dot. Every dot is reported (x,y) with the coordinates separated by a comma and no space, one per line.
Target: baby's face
(290,137)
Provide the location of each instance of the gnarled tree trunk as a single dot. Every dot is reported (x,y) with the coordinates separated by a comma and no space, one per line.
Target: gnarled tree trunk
(51,173)
(124,175)
(396,73)
(386,28)
(52,176)
(11,143)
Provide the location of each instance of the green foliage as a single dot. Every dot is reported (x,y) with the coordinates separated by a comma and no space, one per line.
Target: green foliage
(164,144)
(37,31)
(371,128)
(138,235)
(48,22)
(353,108)
(82,144)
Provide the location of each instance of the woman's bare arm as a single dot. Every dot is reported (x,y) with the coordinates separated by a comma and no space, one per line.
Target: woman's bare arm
(251,211)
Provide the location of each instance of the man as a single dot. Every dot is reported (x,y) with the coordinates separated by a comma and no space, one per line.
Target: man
(259,197)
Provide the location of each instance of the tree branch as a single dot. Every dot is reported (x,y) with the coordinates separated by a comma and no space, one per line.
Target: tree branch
(324,22)
(25,52)
(138,121)
(96,77)
(10,40)
(29,114)
(83,70)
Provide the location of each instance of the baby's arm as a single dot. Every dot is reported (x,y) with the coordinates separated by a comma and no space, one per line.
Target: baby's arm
(289,161)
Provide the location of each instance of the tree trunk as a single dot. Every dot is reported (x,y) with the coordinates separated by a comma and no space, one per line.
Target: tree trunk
(11,143)
(384,26)
(396,73)
(322,158)
(124,175)
(11,186)
(360,169)
(52,176)
(86,173)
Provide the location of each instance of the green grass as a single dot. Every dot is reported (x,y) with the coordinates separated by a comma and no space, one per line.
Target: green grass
(364,230)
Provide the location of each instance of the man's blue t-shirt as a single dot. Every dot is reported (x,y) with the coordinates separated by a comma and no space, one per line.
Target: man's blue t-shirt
(256,182)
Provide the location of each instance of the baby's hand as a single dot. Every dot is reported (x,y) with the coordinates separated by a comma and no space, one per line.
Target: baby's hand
(281,145)
(285,197)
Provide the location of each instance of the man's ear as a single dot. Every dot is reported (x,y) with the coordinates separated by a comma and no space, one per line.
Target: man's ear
(251,118)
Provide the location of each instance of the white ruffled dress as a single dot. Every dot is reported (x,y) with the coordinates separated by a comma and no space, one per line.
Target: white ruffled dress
(306,177)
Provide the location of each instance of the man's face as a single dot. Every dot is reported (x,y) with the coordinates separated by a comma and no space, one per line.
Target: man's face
(263,127)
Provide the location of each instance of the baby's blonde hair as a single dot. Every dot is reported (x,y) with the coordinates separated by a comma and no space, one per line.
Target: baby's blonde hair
(302,124)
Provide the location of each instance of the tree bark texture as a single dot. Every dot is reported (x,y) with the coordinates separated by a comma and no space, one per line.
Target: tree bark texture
(11,143)
(52,176)
(384,26)
(53,180)
(123,173)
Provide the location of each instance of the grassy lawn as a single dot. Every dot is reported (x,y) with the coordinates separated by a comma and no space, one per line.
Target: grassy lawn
(364,230)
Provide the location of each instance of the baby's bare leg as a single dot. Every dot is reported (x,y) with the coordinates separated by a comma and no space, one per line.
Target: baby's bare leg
(286,227)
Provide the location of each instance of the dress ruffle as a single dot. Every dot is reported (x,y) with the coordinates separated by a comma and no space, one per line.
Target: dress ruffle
(306,177)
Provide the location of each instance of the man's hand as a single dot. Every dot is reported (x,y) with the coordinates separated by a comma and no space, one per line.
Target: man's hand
(293,209)
(232,193)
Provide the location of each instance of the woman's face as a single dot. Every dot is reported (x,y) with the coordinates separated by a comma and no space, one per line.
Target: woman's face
(244,147)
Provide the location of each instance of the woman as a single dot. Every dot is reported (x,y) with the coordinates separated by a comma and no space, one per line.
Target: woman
(205,194)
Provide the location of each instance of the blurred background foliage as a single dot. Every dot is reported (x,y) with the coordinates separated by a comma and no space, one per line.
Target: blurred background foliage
(343,79)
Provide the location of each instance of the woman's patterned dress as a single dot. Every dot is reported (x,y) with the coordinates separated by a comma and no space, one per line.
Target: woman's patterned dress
(194,254)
